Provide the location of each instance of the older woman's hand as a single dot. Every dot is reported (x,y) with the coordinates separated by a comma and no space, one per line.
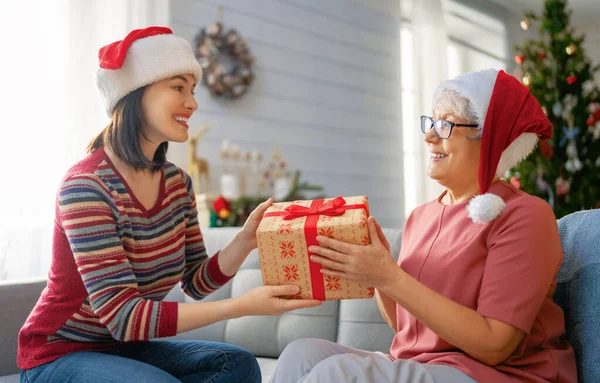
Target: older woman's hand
(371,265)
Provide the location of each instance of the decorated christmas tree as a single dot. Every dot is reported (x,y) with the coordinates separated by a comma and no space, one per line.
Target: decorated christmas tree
(564,170)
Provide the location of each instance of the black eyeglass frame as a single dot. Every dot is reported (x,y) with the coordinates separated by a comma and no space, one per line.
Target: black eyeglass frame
(452,125)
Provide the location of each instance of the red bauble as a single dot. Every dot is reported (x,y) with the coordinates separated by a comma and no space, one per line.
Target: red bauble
(541,55)
(590,121)
(519,59)
(572,79)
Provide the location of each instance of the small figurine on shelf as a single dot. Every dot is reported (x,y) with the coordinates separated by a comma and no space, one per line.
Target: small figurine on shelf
(198,166)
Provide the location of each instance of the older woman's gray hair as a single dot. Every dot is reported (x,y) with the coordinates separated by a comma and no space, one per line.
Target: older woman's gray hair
(467,97)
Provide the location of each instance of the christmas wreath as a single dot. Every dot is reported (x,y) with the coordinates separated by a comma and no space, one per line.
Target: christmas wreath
(226,61)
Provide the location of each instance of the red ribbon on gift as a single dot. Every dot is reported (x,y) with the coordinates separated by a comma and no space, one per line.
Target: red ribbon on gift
(335,207)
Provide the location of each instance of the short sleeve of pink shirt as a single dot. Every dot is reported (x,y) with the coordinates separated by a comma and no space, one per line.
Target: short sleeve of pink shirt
(523,257)
(505,270)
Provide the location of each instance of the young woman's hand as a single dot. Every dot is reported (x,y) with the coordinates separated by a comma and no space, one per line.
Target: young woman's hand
(248,232)
(268,300)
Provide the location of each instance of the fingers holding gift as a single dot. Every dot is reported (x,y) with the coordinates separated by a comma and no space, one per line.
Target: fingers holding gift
(328,263)
(334,244)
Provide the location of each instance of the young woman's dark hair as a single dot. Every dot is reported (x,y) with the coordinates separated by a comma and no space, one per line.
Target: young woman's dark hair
(123,134)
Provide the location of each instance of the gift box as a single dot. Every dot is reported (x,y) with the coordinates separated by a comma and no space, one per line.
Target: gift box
(289,228)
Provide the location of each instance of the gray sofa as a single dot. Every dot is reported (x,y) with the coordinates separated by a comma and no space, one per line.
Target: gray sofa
(356,323)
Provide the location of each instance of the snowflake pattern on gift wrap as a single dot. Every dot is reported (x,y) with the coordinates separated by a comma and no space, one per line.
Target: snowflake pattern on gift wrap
(332,283)
(326,232)
(371,291)
(285,228)
(365,239)
(326,218)
(291,273)
(363,222)
(287,249)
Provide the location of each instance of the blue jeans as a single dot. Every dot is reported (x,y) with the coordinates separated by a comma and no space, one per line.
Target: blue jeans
(155,361)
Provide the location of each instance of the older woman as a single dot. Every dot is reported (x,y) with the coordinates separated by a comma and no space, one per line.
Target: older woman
(470,298)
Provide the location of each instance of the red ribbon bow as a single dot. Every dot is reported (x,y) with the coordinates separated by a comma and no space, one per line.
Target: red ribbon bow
(331,208)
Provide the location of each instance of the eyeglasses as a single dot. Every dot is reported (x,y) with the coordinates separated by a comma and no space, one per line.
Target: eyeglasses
(442,128)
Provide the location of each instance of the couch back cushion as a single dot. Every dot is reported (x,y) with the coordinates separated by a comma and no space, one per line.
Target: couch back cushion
(16,302)
(578,289)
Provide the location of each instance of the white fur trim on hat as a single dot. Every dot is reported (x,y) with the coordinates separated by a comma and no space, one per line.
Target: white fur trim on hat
(518,150)
(485,208)
(476,87)
(148,60)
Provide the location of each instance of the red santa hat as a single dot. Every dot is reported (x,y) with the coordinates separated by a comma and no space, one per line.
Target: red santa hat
(144,56)
(511,120)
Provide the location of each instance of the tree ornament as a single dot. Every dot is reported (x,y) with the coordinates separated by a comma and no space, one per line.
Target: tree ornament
(562,186)
(541,55)
(572,79)
(527,79)
(525,23)
(520,59)
(571,49)
(573,164)
(595,130)
(557,109)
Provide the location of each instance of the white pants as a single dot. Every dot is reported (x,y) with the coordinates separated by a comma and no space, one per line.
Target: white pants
(318,360)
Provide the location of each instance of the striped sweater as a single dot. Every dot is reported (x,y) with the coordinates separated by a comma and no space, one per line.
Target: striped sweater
(113,261)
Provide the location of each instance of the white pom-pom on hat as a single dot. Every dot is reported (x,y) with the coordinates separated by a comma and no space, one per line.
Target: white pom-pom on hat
(485,208)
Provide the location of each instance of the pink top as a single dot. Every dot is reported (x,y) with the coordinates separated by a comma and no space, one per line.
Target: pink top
(506,270)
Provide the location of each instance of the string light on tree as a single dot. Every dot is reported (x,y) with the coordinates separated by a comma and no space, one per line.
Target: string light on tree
(571,49)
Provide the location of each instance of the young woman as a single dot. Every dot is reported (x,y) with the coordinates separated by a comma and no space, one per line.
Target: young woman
(126,232)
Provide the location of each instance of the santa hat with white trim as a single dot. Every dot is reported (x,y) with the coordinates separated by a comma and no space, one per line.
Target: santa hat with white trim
(143,57)
(512,121)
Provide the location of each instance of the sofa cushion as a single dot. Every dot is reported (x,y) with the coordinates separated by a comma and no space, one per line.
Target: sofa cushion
(267,368)
(18,299)
(14,378)
(578,289)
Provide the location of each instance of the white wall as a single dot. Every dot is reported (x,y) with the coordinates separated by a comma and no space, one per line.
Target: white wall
(326,93)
